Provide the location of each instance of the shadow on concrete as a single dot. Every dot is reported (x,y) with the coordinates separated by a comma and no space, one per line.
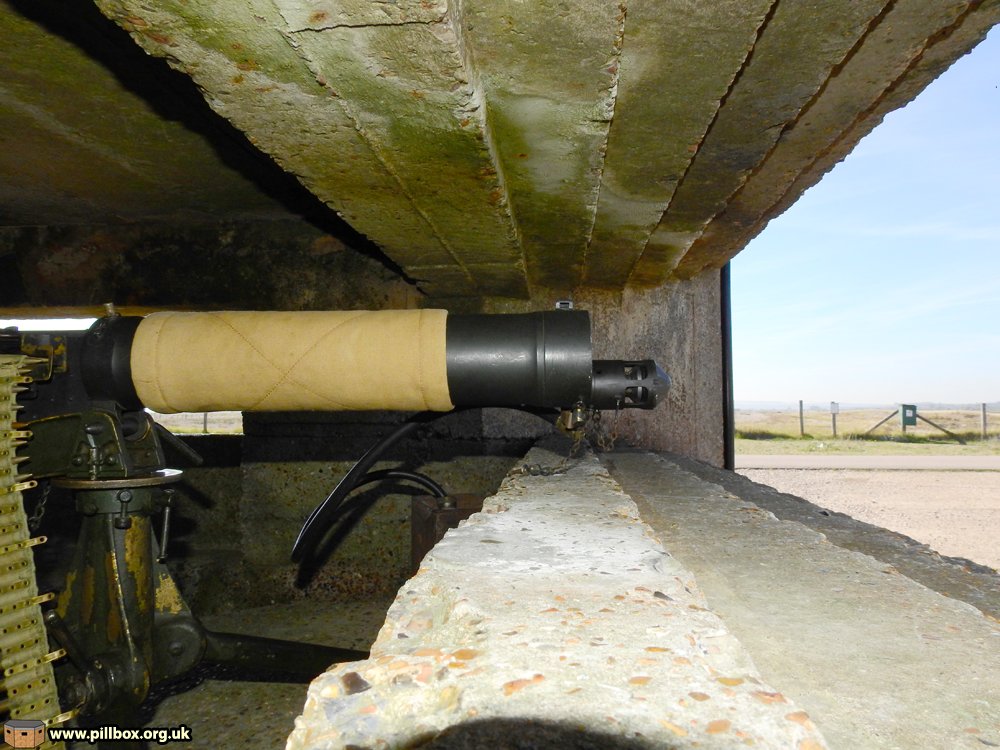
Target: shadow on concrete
(529,734)
(954,577)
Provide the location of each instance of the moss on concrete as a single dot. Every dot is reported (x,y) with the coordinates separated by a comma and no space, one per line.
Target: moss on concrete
(668,96)
(408,92)
(549,106)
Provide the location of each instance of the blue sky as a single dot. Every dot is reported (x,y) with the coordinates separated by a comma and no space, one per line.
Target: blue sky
(882,283)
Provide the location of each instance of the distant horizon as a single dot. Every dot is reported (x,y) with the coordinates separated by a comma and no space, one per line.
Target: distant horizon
(748,405)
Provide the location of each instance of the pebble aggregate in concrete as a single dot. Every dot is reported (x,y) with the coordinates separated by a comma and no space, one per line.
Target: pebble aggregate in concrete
(222,711)
(878,660)
(555,604)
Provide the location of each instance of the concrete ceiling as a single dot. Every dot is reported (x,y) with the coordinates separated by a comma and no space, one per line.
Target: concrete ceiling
(488,147)
(92,130)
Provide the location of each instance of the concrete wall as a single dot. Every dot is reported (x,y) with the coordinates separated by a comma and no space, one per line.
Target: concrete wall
(238,516)
(678,324)
(256,265)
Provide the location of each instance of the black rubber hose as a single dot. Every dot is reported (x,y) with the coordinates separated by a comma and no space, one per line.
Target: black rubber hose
(349,511)
(346,506)
(316,525)
(423,480)
(327,512)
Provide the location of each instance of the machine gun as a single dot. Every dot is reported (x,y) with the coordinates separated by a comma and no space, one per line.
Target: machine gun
(120,619)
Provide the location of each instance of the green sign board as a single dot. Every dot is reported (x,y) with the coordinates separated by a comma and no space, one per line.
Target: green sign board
(908,415)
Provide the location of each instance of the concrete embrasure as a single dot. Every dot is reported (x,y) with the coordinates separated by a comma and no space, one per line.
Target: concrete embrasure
(877,659)
(557,603)
(502,148)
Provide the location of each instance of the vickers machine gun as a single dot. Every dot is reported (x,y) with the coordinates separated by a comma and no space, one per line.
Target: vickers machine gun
(119,623)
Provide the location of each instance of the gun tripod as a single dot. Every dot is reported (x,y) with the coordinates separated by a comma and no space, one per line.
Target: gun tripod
(121,618)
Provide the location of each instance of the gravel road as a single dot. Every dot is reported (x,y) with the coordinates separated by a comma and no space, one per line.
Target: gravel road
(837,461)
(955,512)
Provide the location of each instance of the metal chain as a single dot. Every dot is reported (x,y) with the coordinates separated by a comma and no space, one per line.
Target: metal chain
(574,451)
(605,439)
(537,470)
(35,520)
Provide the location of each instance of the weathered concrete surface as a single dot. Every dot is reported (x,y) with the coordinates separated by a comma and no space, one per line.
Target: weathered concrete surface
(957,578)
(253,77)
(954,515)
(491,149)
(878,660)
(668,95)
(555,605)
(796,51)
(892,54)
(678,325)
(82,141)
(548,109)
(405,84)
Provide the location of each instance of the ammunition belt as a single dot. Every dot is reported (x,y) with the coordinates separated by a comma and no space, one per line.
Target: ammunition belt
(27,684)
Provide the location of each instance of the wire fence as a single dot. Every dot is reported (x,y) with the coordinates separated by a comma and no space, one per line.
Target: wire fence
(801,420)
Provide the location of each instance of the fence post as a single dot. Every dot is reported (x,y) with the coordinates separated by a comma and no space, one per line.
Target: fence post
(985,432)
(802,421)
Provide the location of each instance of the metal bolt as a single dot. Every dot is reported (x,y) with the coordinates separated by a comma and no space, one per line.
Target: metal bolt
(176,648)
(76,693)
(122,521)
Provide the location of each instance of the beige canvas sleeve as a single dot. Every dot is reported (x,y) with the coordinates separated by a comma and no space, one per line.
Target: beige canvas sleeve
(292,361)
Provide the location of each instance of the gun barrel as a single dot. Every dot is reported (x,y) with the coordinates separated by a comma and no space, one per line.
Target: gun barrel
(406,360)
